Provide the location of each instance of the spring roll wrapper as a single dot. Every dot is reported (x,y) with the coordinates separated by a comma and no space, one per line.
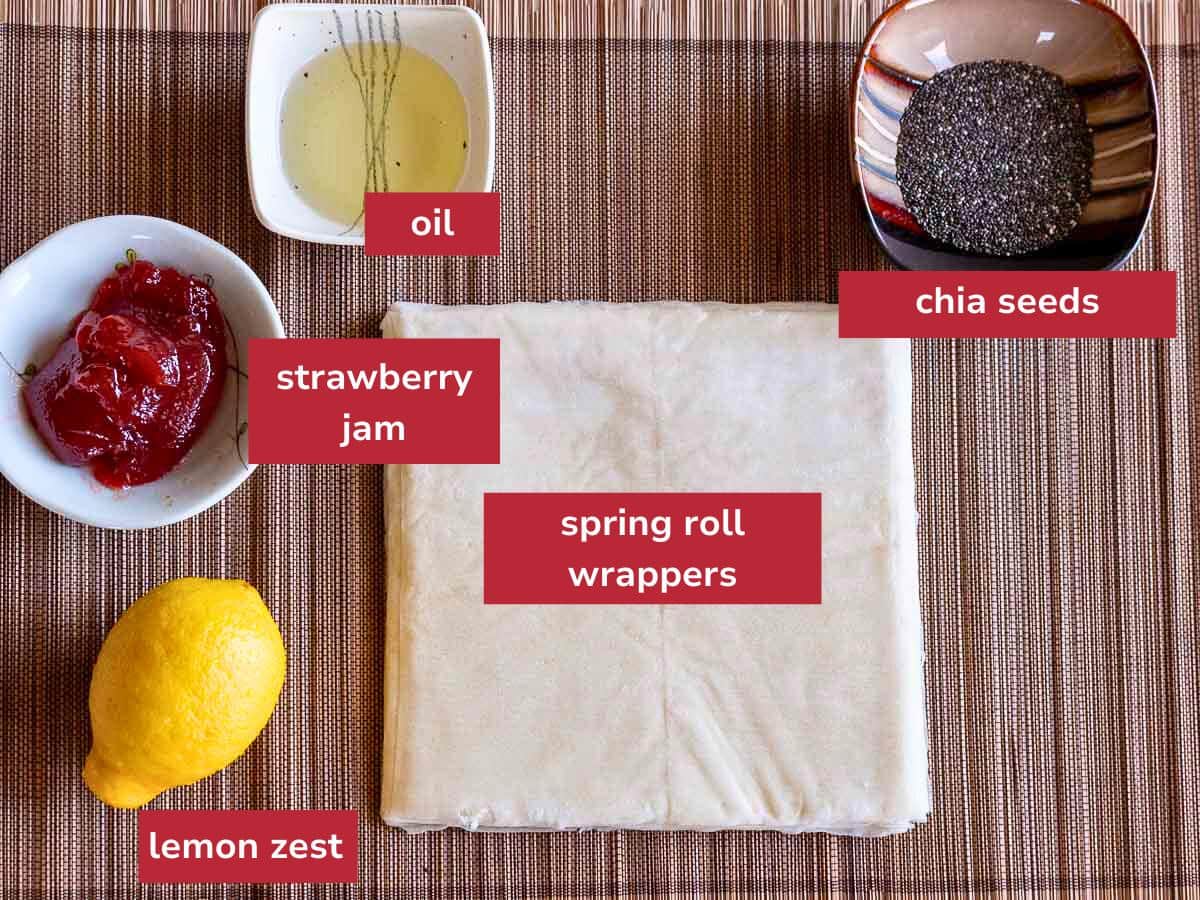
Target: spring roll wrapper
(785,717)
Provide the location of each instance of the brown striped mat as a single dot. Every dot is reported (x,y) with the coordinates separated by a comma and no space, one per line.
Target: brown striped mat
(646,150)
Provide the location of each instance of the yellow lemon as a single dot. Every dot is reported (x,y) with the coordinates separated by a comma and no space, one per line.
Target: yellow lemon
(185,681)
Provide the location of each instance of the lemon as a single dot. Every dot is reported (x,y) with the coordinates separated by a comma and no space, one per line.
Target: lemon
(185,681)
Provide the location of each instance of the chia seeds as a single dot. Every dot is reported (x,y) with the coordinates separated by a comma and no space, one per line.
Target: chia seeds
(995,157)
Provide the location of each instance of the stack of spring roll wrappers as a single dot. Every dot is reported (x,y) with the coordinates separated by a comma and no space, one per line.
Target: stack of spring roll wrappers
(555,717)
(669,152)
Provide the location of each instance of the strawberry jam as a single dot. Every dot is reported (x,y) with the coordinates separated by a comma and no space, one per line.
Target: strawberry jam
(135,383)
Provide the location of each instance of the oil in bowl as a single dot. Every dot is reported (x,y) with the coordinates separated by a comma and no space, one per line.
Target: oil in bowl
(371,116)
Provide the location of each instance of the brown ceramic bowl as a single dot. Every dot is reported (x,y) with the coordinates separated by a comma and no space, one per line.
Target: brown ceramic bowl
(1084,42)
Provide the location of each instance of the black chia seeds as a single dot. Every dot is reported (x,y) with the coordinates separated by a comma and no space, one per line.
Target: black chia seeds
(995,157)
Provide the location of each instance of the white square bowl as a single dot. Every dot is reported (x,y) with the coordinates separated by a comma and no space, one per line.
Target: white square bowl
(286,37)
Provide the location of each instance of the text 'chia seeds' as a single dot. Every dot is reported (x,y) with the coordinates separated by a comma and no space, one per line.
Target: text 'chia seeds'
(995,157)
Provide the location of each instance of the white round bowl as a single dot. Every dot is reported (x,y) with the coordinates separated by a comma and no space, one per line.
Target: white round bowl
(44,290)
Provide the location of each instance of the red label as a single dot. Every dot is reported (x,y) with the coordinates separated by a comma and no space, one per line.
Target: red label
(652,548)
(219,846)
(416,400)
(1006,304)
(432,224)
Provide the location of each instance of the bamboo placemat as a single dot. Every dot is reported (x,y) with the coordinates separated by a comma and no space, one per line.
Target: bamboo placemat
(645,151)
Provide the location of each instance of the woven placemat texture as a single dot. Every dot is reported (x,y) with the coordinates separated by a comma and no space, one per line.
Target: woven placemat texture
(644,151)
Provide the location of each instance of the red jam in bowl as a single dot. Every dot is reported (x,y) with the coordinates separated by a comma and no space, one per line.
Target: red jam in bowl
(135,383)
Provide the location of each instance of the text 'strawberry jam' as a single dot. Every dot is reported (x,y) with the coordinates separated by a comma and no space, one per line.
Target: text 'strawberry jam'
(138,378)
